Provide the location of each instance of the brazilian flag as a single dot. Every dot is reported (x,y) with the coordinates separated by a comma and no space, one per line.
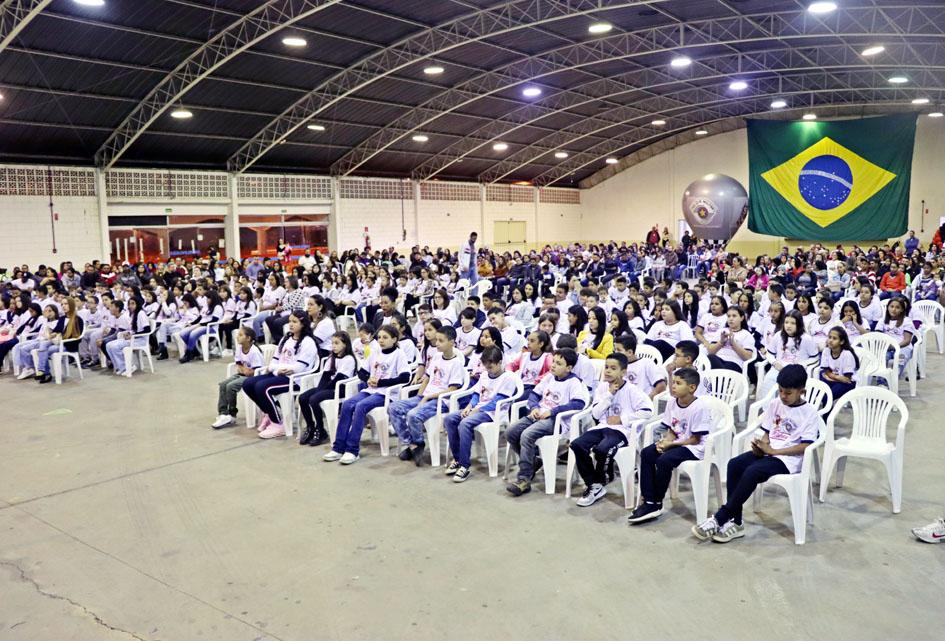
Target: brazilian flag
(831,181)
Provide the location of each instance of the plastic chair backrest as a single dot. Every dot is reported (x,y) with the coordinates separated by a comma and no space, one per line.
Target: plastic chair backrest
(876,344)
(598,365)
(268,351)
(871,409)
(819,395)
(929,311)
(726,386)
(702,363)
(867,364)
(650,352)
(722,415)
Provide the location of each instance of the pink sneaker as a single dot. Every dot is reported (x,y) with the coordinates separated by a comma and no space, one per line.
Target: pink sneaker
(273,431)
(264,423)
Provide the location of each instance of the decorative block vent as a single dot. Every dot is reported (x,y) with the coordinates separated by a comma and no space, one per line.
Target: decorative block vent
(275,187)
(375,188)
(509,194)
(36,181)
(449,191)
(145,184)
(559,196)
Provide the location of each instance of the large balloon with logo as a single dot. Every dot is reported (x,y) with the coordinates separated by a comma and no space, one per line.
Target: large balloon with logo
(715,206)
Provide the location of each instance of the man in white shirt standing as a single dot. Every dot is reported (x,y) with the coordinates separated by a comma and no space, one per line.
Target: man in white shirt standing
(467,259)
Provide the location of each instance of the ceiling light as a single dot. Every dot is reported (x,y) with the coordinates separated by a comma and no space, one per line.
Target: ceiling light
(872,51)
(433,70)
(810,116)
(600,27)
(898,80)
(420,138)
(499,146)
(522,183)
(294,41)
(822,7)
(920,101)
(531,92)
(316,127)
(738,85)
(680,62)
(658,123)
(611,161)
(702,132)
(779,104)
(561,155)
(935,114)
(181,114)
(1,96)
(90,3)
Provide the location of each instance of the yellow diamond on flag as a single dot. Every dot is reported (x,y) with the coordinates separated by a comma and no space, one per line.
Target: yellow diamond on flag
(827,181)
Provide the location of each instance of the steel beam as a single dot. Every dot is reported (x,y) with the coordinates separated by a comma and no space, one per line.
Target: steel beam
(15,15)
(226,45)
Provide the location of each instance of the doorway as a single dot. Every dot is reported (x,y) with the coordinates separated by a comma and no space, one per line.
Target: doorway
(509,235)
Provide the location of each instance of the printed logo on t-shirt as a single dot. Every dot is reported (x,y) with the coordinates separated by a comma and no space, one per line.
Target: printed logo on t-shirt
(551,398)
(782,429)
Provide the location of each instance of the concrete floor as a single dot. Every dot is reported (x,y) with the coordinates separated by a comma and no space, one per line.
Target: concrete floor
(123,515)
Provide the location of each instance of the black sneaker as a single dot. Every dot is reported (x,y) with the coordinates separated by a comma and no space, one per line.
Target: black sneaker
(519,487)
(417,454)
(405,454)
(461,475)
(452,468)
(645,512)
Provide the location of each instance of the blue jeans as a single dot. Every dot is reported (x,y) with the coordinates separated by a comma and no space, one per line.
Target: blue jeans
(193,336)
(460,433)
(354,413)
(522,437)
(397,412)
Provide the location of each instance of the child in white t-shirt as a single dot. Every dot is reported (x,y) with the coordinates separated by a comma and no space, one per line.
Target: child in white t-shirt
(247,358)
(642,372)
(789,424)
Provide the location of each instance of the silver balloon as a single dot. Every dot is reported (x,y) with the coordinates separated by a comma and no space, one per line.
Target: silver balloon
(715,206)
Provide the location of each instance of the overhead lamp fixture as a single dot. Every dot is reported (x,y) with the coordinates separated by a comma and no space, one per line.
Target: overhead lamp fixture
(294,41)
(611,161)
(779,104)
(561,155)
(499,146)
(702,132)
(898,80)
(531,92)
(658,123)
(820,8)
(522,183)
(738,85)
(872,51)
(600,27)
(810,116)
(433,70)
(920,101)
(316,127)
(935,114)
(419,138)
(182,114)
(680,62)
(90,3)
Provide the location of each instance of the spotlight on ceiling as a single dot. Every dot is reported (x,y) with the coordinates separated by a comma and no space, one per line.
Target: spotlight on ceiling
(810,116)
(935,114)
(433,70)
(531,92)
(561,155)
(316,127)
(680,62)
(872,51)
(898,80)
(819,8)
(499,146)
(599,27)
(658,123)
(294,41)
(90,3)
(182,114)
(702,132)
(738,85)
(611,161)
(920,101)
(779,104)
(419,138)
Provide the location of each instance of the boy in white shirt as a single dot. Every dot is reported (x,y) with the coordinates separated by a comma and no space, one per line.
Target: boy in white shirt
(247,357)
(617,406)
(443,375)
(493,386)
(583,368)
(560,392)
(790,424)
(512,341)
(642,372)
(686,420)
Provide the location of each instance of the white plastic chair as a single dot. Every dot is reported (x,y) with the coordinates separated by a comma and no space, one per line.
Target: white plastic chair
(298,383)
(867,367)
(332,407)
(489,432)
(379,420)
(878,345)
(434,425)
(798,486)
(139,346)
(212,333)
(59,360)
(871,409)
(249,409)
(650,352)
(481,287)
(547,445)
(933,321)
(730,387)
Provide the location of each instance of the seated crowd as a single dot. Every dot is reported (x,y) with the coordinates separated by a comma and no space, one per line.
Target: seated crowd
(610,330)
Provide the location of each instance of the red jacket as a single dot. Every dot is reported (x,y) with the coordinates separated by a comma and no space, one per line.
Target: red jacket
(891,283)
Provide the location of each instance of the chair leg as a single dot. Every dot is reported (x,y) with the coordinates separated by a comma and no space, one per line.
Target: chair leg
(700,491)
(841,468)
(433,440)
(490,443)
(548,447)
(827,471)
(799,505)
(894,471)
(569,474)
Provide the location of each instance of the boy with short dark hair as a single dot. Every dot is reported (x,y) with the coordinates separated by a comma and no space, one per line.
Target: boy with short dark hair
(617,405)
(685,356)
(642,372)
(790,425)
(560,392)
(687,422)
(512,341)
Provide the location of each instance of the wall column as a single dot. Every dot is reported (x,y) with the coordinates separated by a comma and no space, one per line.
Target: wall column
(334,220)
(102,195)
(231,229)
(416,214)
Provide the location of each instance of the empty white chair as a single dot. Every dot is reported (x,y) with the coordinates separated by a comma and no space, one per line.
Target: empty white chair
(650,352)
(878,346)
(872,407)
(867,367)
(932,316)
(212,334)
(729,387)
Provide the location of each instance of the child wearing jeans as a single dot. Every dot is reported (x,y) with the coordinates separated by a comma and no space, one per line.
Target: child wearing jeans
(686,420)
(248,358)
(493,386)
(617,405)
(790,424)
(563,391)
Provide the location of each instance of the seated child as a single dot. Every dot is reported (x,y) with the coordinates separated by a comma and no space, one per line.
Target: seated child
(247,358)
(583,368)
(790,424)
(341,365)
(685,356)
(642,372)
(617,406)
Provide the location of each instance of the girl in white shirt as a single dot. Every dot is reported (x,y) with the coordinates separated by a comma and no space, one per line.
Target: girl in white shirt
(442,308)
(212,313)
(806,307)
(735,344)
(520,309)
(820,325)
(792,346)
(711,326)
(897,325)
(852,321)
(296,353)
(341,365)
(838,363)
(323,325)
(548,325)
(635,316)
(665,333)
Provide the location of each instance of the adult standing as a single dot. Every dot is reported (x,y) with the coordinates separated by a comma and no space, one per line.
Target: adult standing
(912,243)
(467,259)
(653,237)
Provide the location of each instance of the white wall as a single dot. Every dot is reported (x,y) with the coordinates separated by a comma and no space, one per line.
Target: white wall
(627,205)
(26,233)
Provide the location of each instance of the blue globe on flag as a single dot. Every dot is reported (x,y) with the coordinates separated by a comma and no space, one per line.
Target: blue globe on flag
(825,182)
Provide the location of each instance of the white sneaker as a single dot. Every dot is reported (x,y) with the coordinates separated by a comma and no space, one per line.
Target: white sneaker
(222,421)
(706,530)
(592,495)
(332,456)
(26,373)
(349,458)
(273,431)
(934,532)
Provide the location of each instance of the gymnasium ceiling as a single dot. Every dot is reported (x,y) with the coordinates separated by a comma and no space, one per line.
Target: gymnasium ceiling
(98,84)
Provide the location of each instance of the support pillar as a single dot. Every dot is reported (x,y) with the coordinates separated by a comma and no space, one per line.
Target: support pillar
(231,222)
(102,195)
